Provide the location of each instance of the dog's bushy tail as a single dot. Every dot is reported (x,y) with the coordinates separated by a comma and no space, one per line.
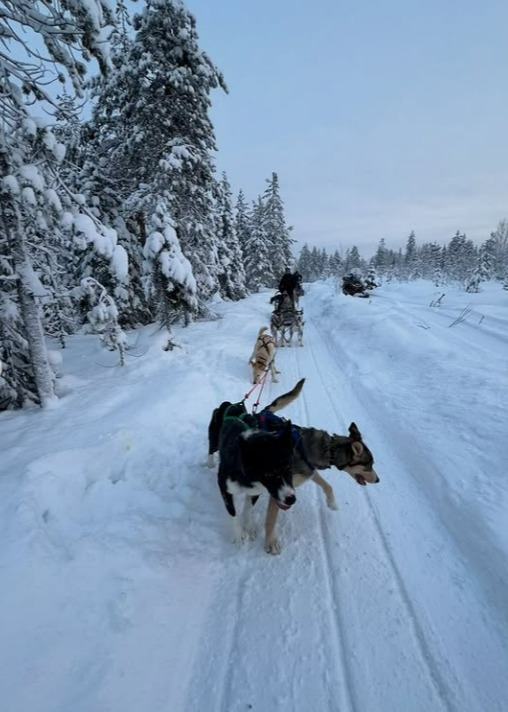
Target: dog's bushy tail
(287,398)
(262,331)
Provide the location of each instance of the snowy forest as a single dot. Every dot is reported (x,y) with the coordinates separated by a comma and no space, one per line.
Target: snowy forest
(120,219)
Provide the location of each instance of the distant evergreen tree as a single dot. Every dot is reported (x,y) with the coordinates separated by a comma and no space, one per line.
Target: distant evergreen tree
(381,259)
(484,268)
(231,273)
(276,230)
(336,264)
(460,257)
(411,270)
(257,262)
(304,264)
(353,261)
(242,222)
(500,249)
(324,264)
(435,264)
(315,265)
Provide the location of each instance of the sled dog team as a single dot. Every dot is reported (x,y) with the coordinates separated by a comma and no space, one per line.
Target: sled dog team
(263,452)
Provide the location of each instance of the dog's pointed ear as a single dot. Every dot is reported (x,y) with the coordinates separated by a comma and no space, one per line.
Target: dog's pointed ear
(354,433)
(357,448)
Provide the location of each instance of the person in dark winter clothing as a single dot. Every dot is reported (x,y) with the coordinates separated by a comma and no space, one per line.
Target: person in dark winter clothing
(290,283)
(287,282)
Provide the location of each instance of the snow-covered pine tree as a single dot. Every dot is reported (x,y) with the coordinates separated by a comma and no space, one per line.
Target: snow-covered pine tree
(242,222)
(304,264)
(430,257)
(336,264)
(231,273)
(162,140)
(276,230)
(353,261)
(459,258)
(411,270)
(29,153)
(170,282)
(500,249)
(324,264)
(484,267)
(257,260)
(315,262)
(381,258)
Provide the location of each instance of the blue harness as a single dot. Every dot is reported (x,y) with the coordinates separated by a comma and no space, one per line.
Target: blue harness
(274,424)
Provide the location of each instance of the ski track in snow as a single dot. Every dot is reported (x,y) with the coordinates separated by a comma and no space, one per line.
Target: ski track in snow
(318,367)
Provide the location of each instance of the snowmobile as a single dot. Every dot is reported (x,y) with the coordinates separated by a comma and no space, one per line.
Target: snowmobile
(353,286)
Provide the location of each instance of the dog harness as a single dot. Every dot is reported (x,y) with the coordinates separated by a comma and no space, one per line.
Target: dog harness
(274,423)
(241,414)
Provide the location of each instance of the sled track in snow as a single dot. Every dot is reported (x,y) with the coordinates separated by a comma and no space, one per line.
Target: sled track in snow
(332,593)
(442,687)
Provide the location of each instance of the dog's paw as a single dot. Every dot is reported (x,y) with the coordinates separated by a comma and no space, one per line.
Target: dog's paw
(240,539)
(332,504)
(251,532)
(210,461)
(273,546)
(242,536)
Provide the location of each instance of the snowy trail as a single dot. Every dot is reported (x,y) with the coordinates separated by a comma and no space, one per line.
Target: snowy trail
(341,603)
(122,590)
(318,604)
(376,570)
(432,626)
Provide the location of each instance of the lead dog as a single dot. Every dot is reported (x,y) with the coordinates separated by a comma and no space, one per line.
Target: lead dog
(263,356)
(312,450)
(315,450)
(251,461)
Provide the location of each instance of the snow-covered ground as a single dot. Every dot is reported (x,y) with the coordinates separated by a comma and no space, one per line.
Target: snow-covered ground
(120,587)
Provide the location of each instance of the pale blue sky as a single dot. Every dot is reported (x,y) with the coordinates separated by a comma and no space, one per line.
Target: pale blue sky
(380,116)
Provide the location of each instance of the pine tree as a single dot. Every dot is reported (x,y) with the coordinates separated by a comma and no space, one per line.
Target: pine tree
(460,257)
(435,263)
(336,264)
(381,257)
(231,273)
(257,260)
(484,267)
(275,227)
(162,140)
(500,249)
(171,284)
(411,266)
(30,191)
(353,261)
(242,222)
(304,264)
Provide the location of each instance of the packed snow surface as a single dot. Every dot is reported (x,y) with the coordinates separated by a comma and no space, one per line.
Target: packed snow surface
(121,589)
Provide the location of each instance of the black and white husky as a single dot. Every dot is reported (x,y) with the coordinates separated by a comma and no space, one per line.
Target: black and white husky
(251,462)
(313,450)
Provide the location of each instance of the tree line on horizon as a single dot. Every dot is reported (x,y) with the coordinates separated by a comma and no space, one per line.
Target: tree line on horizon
(459,261)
